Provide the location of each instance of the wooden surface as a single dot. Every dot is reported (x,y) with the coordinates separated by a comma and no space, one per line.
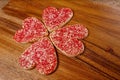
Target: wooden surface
(100,60)
(111,3)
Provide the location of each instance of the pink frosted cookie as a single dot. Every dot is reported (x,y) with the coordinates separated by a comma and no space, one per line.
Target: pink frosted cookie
(66,39)
(42,55)
(32,30)
(54,18)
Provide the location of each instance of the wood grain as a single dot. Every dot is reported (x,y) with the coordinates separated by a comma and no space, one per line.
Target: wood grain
(100,60)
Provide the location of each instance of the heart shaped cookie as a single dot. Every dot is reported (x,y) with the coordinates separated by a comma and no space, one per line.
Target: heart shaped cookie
(41,55)
(32,30)
(66,39)
(54,18)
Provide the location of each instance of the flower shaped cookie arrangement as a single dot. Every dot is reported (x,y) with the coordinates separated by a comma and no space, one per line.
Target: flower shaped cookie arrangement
(49,34)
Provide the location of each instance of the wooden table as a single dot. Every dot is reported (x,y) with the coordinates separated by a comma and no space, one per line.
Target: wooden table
(100,60)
